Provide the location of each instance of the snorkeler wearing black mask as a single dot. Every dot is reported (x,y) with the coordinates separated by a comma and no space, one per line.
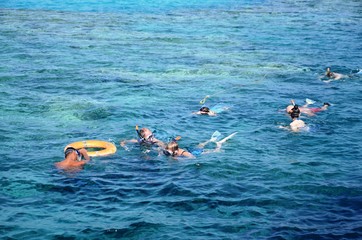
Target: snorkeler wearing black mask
(205,111)
(145,137)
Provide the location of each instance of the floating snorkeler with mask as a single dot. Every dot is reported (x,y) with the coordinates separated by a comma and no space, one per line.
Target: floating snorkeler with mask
(173,150)
(296,125)
(306,110)
(145,138)
(75,159)
(333,75)
(205,111)
(213,111)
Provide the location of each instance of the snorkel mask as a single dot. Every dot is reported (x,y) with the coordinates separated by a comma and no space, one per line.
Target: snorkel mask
(70,150)
(142,139)
(168,153)
(204,110)
(172,151)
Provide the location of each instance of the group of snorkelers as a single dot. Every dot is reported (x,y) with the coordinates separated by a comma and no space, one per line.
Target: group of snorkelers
(295,111)
(172,149)
(75,158)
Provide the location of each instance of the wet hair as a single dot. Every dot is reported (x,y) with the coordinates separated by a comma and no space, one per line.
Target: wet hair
(204,110)
(70,150)
(142,136)
(296,109)
(171,147)
(328,104)
(329,73)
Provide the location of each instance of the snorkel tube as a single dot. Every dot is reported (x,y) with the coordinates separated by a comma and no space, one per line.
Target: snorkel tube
(176,138)
(139,134)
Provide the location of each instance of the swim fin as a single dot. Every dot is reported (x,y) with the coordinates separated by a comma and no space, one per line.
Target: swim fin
(215,136)
(309,101)
(227,138)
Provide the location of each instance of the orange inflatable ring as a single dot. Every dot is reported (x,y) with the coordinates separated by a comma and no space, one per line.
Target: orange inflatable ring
(108,148)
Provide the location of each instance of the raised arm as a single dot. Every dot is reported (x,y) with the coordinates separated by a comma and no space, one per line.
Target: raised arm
(84,152)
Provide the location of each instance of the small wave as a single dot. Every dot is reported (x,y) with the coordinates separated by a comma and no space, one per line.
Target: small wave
(139,230)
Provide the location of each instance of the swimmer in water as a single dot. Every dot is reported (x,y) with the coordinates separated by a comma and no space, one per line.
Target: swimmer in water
(296,123)
(172,149)
(290,107)
(145,138)
(74,159)
(205,111)
(333,75)
(309,111)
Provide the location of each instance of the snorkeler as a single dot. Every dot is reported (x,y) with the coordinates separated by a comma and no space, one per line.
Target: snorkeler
(205,111)
(306,110)
(290,107)
(296,123)
(145,137)
(74,159)
(172,149)
(333,75)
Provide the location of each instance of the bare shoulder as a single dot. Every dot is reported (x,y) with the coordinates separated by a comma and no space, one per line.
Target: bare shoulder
(187,154)
(297,125)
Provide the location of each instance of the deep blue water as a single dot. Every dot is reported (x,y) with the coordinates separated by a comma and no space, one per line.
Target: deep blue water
(76,70)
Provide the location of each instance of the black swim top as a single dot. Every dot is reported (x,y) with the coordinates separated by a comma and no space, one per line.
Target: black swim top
(295,112)
(294,115)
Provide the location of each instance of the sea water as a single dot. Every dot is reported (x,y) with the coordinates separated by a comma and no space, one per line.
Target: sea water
(77,70)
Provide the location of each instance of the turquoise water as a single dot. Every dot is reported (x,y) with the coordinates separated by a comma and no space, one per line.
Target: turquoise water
(80,70)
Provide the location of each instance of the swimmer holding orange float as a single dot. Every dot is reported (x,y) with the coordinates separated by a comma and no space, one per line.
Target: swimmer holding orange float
(74,159)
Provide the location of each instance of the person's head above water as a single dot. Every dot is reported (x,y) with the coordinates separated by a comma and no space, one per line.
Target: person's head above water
(171,149)
(295,108)
(326,104)
(204,110)
(295,112)
(70,150)
(145,135)
(329,73)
